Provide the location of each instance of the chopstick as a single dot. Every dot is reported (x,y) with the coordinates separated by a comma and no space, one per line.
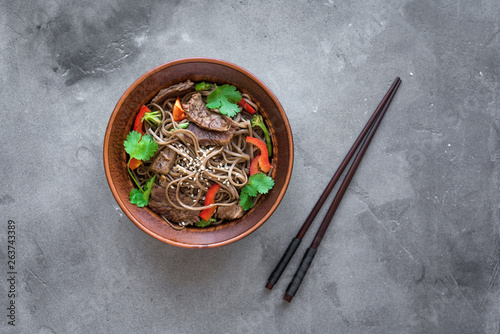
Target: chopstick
(364,140)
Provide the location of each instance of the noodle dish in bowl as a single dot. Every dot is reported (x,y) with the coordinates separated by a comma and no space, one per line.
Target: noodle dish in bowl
(198,153)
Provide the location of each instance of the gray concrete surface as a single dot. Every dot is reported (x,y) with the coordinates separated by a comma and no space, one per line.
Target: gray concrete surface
(414,246)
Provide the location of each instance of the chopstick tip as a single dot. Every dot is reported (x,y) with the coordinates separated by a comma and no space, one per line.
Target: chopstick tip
(269,285)
(288,297)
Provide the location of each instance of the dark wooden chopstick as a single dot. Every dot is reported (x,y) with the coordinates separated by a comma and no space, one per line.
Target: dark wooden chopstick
(311,251)
(364,140)
(294,244)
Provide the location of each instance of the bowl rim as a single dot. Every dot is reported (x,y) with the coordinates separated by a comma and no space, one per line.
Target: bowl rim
(106,147)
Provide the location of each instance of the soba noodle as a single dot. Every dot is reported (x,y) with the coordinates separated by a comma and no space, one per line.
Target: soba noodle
(197,167)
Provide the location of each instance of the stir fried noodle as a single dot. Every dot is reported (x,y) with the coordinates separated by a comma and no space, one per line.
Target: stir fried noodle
(197,167)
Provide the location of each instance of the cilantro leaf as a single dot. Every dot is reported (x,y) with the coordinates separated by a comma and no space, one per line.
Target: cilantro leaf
(261,182)
(140,197)
(257,183)
(137,198)
(250,189)
(148,147)
(230,110)
(147,188)
(140,147)
(225,98)
(202,86)
(133,139)
(246,201)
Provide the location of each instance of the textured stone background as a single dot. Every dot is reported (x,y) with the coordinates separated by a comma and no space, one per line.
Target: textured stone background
(414,246)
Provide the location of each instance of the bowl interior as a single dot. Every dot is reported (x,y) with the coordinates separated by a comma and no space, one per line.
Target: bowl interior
(141,92)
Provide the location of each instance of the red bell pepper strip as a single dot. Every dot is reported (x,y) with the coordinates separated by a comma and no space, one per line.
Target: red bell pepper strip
(264,164)
(254,165)
(134,163)
(138,120)
(245,105)
(206,214)
(178,114)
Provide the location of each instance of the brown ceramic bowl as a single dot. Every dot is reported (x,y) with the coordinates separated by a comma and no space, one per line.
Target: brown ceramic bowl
(141,92)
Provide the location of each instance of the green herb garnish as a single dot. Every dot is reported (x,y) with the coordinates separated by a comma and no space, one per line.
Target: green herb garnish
(202,86)
(205,223)
(140,147)
(257,120)
(140,197)
(225,98)
(180,126)
(258,183)
(153,118)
